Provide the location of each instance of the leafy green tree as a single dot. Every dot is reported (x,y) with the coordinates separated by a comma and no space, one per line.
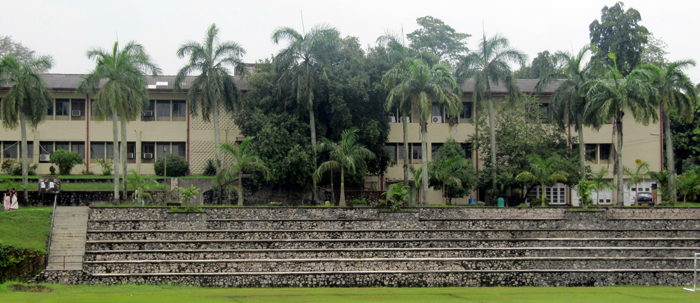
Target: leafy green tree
(418,87)
(65,160)
(636,176)
(301,64)
(347,154)
(118,85)
(214,87)
(543,172)
(689,184)
(489,65)
(544,64)
(600,183)
(618,32)
(655,52)
(27,99)
(456,178)
(610,98)
(437,38)
(569,99)
(141,185)
(679,96)
(177,166)
(417,174)
(242,159)
(584,192)
(396,195)
(20,52)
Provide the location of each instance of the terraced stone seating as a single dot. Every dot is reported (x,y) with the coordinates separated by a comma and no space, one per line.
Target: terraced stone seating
(263,247)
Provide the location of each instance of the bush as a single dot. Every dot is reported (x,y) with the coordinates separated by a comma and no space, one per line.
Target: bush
(65,160)
(209,168)
(16,169)
(359,202)
(7,166)
(177,166)
(106,166)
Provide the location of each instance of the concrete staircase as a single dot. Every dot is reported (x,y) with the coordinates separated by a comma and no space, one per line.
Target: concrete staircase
(68,238)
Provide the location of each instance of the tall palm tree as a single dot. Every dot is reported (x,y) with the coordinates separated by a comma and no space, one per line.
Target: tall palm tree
(124,93)
(677,95)
(26,101)
(488,65)
(599,183)
(610,98)
(444,172)
(301,64)
(243,159)
(214,87)
(636,176)
(543,172)
(569,100)
(347,154)
(417,86)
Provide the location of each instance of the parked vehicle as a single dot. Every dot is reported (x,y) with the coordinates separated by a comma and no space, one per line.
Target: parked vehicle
(645,198)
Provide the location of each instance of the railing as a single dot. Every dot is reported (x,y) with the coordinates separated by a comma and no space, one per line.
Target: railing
(62,261)
(53,215)
(695,274)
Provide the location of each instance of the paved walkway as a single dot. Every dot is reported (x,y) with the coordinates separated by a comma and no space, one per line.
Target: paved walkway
(68,238)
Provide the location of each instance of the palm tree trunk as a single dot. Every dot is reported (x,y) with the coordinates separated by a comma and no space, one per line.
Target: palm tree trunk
(115,154)
(404,121)
(597,197)
(670,161)
(25,168)
(123,157)
(342,188)
(492,126)
(240,188)
(332,187)
(542,188)
(581,145)
(312,126)
(424,162)
(217,137)
(618,165)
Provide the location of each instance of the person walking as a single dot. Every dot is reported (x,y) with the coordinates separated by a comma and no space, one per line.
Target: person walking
(6,200)
(14,205)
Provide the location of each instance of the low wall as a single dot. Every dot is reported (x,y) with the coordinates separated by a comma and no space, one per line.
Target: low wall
(30,266)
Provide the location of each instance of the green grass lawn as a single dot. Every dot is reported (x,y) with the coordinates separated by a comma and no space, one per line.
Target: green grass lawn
(170,294)
(26,228)
(81,186)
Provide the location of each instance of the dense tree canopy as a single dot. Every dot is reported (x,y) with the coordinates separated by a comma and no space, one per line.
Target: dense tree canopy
(437,38)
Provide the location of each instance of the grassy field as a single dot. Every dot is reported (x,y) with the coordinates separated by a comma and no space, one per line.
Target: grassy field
(26,228)
(132,293)
(80,186)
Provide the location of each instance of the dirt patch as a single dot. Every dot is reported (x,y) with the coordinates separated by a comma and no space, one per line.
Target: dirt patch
(30,288)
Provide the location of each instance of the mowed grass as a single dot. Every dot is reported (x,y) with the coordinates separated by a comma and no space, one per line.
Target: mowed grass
(133,293)
(26,228)
(80,187)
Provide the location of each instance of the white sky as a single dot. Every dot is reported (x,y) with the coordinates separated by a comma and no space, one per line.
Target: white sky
(67,29)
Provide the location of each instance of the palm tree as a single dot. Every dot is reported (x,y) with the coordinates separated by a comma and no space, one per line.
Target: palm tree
(543,172)
(214,87)
(689,184)
(677,95)
(123,94)
(347,154)
(417,86)
(141,185)
(662,179)
(444,173)
(488,65)
(417,174)
(243,159)
(26,101)
(636,176)
(569,100)
(599,183)
(301,64)
(610,98)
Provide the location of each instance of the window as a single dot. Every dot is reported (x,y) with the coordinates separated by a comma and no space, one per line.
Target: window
(179,110)
(434,154)
(162,149)
(544,112)
(62,109)
(79,148)
(109,150)
(30,149)
(63,146)
(45,148)
(77,109)
(49,110)
(467,147)
(97,150)
(416,151)
(179,148)
(466,110)
(436,115)
(591,153)
(149,114)
(605,153)
(163,110)
(148,150)
(9,150)
(131,152)
(391,151)
(401,151)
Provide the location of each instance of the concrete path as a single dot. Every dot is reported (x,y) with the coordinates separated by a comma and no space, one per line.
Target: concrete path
(68,238)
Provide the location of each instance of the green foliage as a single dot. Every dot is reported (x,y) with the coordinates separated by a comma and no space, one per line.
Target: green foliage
(106,166)
(396,195)
(688,184)
(209,168)
(543,172)
(437,38)
(16,169)
(187,194)
(359,202)
(23,231)
(451,167)
(662,178)
(243,159)
(544,64)
(177,166)
(7,165)
(584,192)
(186,209)
(65,160)
(141,184)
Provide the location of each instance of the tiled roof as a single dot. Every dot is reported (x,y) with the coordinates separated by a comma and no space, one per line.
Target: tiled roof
(525,85)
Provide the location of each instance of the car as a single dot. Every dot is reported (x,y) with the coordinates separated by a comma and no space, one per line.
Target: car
(645,198)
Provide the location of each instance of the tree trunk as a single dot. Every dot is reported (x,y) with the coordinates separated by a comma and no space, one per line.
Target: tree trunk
(424,163)
(542,187)
(115,154)
(25,152)
(217,137)
(240,188)
(670,161)
(332,187)
(404,121)
(312,126)
(124,157)
(581,145)
(618,165)
(342,188)
(492,126)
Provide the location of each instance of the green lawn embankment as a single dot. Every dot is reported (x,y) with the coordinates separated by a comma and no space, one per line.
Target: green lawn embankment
(24,233)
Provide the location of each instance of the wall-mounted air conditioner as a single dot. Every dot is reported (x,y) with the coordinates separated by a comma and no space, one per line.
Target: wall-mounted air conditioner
(130,156)
(76,113)
(392,119)
(148,113)
(44,157)
(148,155)
(437,119)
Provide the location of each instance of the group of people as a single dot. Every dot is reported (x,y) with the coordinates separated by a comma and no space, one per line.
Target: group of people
(9,201)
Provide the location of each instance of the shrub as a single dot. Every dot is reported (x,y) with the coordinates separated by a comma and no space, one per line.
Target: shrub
(188,194)
(106,166)
(359,202)
(584,193)
(7,166)
(177,166)
(65,160)
(396,195)
(209,168)
(16,169)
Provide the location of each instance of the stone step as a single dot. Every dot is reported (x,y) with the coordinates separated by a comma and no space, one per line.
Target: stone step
(382,264)
(114,255)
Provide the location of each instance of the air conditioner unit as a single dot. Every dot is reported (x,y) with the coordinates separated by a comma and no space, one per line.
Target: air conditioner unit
(76,113)
(437,119)
(148,155)
(148,113)
(130,156)
(392,119)
(45,157)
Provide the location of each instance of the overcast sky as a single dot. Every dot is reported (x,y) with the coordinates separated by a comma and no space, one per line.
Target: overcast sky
(67,29)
